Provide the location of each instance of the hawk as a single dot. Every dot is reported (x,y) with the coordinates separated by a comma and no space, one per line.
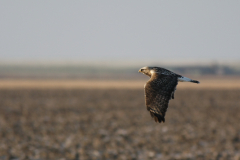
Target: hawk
(159,89)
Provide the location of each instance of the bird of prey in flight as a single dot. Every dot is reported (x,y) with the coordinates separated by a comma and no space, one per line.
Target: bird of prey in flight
(159,89)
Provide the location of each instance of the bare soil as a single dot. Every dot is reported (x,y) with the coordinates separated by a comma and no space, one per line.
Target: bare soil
(74,124)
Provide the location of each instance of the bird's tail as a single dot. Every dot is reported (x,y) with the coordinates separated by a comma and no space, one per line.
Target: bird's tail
(195,81)
(185,79)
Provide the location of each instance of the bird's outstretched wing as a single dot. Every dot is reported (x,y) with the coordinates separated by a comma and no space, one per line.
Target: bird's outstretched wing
(158,91)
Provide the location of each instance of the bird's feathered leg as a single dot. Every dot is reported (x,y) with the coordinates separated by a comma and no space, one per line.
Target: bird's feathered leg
(172,96)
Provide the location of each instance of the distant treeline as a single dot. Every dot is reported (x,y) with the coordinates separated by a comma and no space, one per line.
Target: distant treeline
(207,70)
(105,72)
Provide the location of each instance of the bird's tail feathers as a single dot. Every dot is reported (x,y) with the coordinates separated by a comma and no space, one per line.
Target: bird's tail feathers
(195,81)
(185,79)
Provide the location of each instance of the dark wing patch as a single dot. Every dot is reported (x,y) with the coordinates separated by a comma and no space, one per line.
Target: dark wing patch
(158,91)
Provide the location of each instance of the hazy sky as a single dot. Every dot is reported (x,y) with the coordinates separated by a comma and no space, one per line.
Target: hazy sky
(156,30)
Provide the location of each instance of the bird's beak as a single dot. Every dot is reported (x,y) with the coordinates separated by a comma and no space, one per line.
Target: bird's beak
(142,69)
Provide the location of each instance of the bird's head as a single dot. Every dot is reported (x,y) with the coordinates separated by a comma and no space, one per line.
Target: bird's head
(150,70)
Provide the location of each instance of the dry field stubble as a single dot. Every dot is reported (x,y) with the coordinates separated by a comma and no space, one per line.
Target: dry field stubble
(206,83)
(77,124)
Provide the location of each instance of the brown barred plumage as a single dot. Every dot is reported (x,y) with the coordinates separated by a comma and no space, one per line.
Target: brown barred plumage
(160,89)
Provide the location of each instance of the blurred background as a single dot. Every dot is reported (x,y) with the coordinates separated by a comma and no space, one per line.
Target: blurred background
(70,86)
(80,38)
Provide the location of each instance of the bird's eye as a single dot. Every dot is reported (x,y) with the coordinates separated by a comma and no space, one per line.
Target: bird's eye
(142,70)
